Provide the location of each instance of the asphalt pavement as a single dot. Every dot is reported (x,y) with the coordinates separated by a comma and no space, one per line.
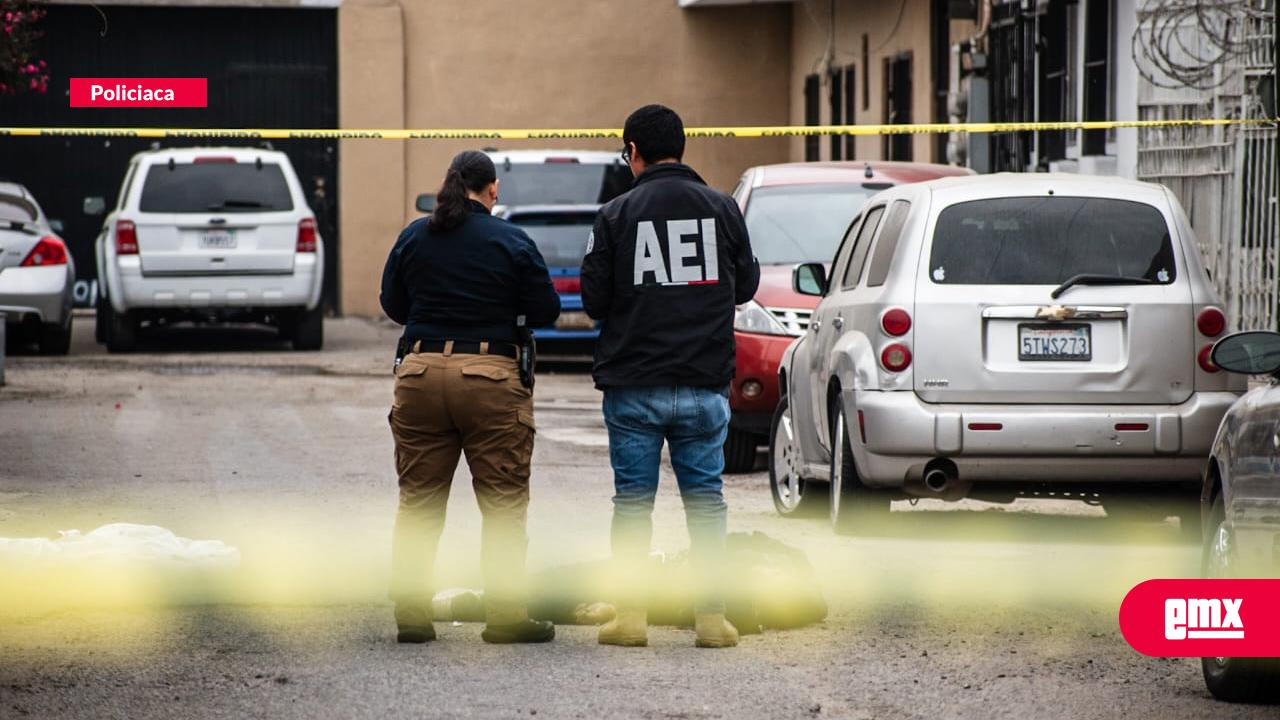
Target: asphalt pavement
(966,610)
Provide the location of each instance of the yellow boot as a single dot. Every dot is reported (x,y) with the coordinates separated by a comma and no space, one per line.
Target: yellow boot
(714,631)
(629,629)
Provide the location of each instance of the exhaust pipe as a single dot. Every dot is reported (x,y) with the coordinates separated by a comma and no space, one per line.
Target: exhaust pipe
(936,480)
(940,474)
(940,479)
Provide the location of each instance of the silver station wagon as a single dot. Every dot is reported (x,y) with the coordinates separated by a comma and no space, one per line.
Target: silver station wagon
(1241,502)
(978,336)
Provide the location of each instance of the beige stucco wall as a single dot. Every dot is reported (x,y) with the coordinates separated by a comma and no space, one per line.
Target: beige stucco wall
(550,63)
(887,35)
(371,173)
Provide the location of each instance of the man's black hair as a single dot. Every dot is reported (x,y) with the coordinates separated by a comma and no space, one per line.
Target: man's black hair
(657,132)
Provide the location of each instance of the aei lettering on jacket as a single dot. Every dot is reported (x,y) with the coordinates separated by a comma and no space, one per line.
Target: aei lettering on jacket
(686,240)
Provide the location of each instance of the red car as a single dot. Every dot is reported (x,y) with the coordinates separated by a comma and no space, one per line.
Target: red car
(796,213)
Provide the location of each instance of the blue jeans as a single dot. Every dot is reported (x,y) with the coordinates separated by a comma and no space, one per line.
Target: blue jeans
(693,422)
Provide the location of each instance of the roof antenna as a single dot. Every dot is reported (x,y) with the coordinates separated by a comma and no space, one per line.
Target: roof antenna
(171,162)
(257,163)
(867,173)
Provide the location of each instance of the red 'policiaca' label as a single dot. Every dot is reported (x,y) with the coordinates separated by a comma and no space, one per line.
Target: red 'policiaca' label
(1203,618)
(139,92)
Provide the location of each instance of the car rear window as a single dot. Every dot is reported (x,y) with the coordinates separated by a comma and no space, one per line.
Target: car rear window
(224,187)
(561,237)
(802,223)
(560,183)
(1047,240)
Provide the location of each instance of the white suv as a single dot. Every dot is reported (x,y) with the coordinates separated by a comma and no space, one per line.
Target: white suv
(210,234)
(552,177)
(983,333)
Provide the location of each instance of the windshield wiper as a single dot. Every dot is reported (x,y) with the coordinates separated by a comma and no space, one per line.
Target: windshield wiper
(1087,279)
(237,204)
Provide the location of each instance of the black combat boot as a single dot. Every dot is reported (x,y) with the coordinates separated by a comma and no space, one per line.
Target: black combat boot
(508,622)
(414,623)
(526,631)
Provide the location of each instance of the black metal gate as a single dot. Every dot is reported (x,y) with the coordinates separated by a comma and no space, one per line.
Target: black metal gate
(266,67)
(1013,75)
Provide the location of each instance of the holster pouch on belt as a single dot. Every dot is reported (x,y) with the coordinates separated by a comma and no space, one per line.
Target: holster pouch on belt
(402,349)
(528,353)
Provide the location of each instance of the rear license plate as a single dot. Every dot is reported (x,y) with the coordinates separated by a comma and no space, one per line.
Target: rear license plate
(217,240)
(1055,342)
(575,321)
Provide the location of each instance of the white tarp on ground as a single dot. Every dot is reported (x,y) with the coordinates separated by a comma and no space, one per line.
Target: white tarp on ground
(121,542)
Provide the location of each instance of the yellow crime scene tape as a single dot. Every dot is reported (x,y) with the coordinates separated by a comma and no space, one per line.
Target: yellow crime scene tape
(612,133)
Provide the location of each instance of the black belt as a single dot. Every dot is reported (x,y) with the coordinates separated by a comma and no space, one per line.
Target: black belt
(467,347)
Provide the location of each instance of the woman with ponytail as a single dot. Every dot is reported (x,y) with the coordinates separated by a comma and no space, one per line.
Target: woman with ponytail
(458,281)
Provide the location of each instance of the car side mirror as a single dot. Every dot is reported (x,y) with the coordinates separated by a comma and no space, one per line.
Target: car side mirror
(426,203)
(94,205)
(56,226)
(1248,353)
(810,279)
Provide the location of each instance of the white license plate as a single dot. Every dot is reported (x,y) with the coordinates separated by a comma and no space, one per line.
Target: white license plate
(217,240)
(575,321)
(1055,342)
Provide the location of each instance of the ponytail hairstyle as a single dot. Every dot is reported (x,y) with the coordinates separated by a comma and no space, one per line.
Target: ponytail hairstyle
(470,171)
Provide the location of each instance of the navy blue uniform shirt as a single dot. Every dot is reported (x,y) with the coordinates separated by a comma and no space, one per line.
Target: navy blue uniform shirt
(469,283)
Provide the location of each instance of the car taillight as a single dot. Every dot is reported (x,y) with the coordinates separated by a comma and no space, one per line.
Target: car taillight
(208,159)
(1211,322)
(126,238)
(306,235)
(896,357)
(49,251)
(567,284)
(896,322)
(1206,361)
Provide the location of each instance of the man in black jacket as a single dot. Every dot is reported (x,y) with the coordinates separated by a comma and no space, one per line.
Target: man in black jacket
(666,264)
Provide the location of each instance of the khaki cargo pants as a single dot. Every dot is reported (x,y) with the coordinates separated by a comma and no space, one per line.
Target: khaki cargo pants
(447,404)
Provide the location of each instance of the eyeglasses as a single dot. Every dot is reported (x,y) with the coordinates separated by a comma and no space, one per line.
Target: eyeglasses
(626,153)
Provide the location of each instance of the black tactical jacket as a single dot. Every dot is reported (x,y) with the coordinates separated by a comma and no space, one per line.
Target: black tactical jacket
(666,264)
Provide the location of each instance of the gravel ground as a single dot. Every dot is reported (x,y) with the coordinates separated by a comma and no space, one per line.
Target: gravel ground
(965,610)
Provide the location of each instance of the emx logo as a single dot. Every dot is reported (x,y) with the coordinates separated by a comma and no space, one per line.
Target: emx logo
(1203,618)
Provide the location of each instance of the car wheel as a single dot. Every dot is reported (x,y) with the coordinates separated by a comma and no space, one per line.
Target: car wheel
(740,451)
(1246,680)
(793,494)
(122,330)
(55,338)
(855,508)
(308,329)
